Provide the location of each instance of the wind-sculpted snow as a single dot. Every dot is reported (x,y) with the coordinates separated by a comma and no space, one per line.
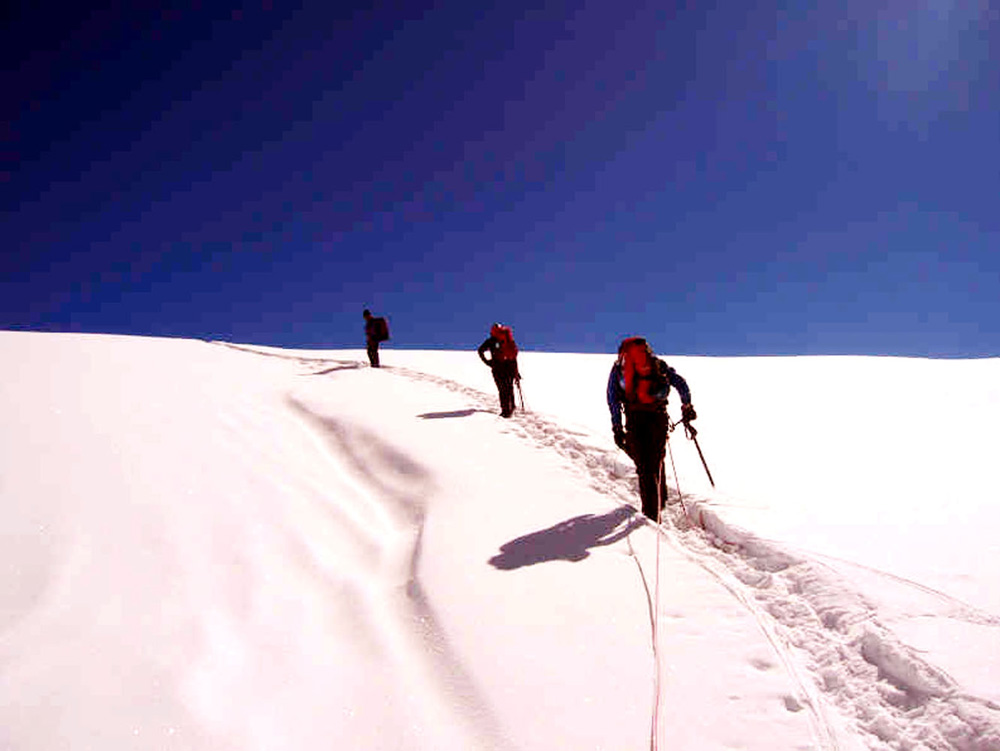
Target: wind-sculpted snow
(895,696)
(230,547)
(829,638)
(576,538)
(811,614)
(396,489)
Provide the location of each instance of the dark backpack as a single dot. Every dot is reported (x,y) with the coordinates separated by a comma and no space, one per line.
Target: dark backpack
(381,329)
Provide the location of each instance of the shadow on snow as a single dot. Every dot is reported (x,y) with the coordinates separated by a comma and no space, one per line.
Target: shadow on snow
(569,540)
(455,413)
(335,368)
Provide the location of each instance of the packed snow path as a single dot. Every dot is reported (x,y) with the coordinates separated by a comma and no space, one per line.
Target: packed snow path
(215,549)
(897,699)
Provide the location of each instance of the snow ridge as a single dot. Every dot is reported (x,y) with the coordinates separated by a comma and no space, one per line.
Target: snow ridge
(398,487)
(899,701)
(811,616)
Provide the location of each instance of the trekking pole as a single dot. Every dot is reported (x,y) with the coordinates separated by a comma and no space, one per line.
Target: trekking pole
(521,393)
(692,433)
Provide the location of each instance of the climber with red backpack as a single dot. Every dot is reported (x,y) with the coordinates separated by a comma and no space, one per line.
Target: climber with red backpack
(503,361)
(639,384)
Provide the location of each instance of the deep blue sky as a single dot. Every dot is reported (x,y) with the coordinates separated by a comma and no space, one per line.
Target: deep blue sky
(753,178)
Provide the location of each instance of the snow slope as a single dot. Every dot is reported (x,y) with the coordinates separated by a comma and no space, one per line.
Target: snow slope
(208,547)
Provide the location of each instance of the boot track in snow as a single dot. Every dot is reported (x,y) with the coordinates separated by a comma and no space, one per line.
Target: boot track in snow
(827,637)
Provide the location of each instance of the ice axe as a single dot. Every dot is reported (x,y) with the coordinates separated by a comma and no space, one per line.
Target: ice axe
(691,432)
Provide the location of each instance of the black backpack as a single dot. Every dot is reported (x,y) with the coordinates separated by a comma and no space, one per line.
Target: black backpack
(381,329)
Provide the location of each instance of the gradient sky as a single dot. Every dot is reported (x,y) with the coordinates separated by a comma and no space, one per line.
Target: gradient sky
(748,179)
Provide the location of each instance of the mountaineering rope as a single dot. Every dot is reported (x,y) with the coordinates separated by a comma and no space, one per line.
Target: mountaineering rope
(654,742)
(654,735)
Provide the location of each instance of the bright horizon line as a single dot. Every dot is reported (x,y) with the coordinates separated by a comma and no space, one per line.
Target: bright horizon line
(471,348)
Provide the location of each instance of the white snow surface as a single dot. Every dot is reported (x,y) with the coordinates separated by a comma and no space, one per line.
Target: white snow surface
(214,546)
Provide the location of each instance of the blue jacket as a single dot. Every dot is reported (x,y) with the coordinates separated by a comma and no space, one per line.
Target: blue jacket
(616,392)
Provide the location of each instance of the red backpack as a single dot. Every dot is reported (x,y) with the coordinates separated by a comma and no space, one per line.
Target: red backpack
(507,349)
(643,378)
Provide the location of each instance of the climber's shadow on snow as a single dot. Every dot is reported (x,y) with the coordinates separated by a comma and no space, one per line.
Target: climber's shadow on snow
(335,368)
(570,540)
(454,413)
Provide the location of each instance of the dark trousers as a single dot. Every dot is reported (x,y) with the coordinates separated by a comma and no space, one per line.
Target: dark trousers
(373,354)
(647,443)
(504,373)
